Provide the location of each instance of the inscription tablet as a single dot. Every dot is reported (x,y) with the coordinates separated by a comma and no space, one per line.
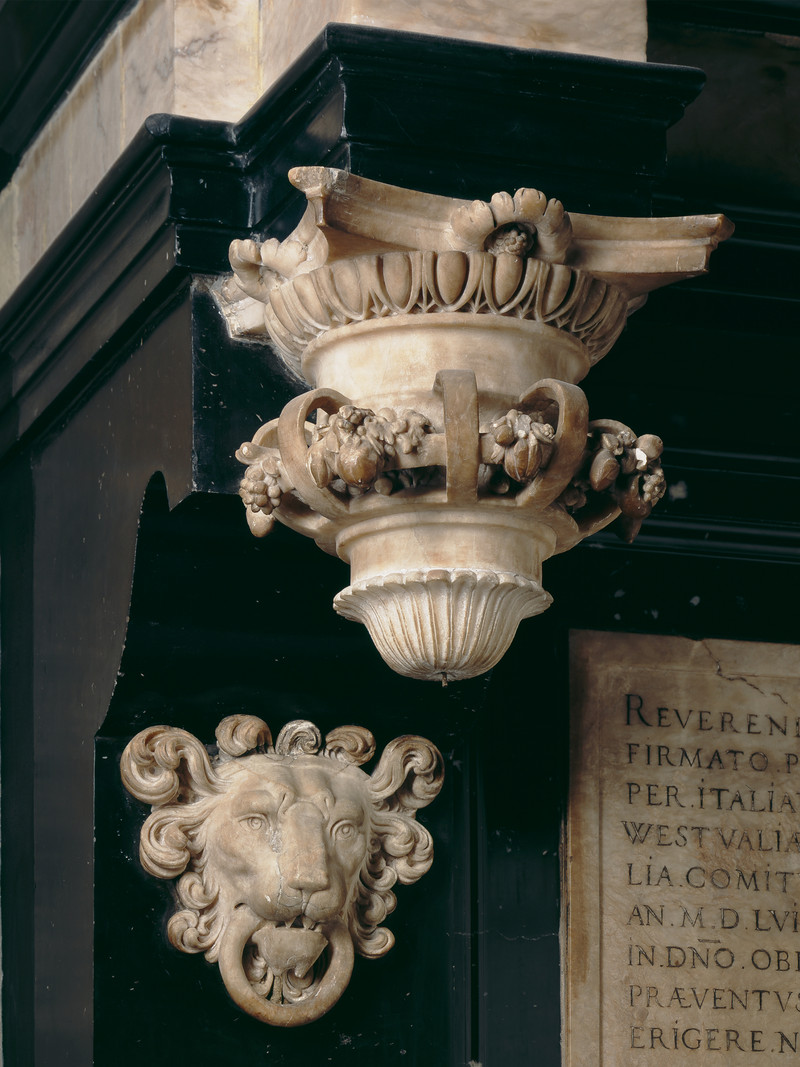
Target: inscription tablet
(682,871)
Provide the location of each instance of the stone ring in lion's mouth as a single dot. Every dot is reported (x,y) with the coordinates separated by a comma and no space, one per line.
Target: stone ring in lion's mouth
(290,951)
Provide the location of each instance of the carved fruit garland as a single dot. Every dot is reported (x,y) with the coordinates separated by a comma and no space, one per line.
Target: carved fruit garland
(355,444)
(624,467)
(352,452)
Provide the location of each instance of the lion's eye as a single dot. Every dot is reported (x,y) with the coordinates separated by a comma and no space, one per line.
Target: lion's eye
(345,831)
(255,822)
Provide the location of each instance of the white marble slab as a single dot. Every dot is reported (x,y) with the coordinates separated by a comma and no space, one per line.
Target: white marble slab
(43,200)
(683,853)
(216,58)
(595,27)
(9,260)
(148,76)
(93,117)
(287,29)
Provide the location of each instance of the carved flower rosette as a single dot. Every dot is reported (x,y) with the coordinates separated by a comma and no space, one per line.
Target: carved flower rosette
(444,448)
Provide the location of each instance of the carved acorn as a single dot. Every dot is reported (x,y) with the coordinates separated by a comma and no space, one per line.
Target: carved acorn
(503,432)
(521,445)
(318,466)
(604,469)
(523,459)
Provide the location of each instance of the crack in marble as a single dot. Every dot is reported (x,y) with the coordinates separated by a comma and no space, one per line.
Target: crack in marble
(742,678)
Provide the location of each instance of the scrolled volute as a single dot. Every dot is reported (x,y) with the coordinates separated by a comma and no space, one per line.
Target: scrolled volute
(239,734)
(164,763)
(351,744)
(409,775)
(299,737)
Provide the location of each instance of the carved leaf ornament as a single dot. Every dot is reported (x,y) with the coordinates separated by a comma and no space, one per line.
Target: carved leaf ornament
(286,855)
(444,439)
(418,283)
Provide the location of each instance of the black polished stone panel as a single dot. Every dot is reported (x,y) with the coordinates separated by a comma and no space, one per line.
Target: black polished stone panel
(67,540)
(739,143)
(780,17)
(19,790)
(238,385)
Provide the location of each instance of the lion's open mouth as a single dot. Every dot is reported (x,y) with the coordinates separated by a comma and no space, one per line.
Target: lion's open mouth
(290,946)
(299,922)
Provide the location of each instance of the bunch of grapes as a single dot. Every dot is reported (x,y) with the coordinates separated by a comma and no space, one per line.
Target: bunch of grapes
(259,489)
(654,486)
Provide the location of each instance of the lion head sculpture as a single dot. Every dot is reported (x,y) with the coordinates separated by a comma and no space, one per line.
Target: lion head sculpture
(287,854)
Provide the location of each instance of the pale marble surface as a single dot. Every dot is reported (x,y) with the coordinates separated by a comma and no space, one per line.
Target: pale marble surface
(596,27)
(43,196)
(148,76)
(94,119)
(51,183)
(288,28)
(68,160)
(9,260)
(216,60)
(29,221)
(683,852)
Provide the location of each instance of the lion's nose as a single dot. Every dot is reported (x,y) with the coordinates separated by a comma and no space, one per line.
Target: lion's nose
(304,863)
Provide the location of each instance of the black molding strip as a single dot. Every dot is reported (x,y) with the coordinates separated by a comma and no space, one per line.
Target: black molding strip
(44,45)
(762,259)
(780,17)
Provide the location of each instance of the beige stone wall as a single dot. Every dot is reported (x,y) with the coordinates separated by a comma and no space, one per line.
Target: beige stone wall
(595,27)
(213,59)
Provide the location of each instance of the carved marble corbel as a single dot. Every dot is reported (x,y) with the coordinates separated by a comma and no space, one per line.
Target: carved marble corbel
(286,855)
(444,448)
